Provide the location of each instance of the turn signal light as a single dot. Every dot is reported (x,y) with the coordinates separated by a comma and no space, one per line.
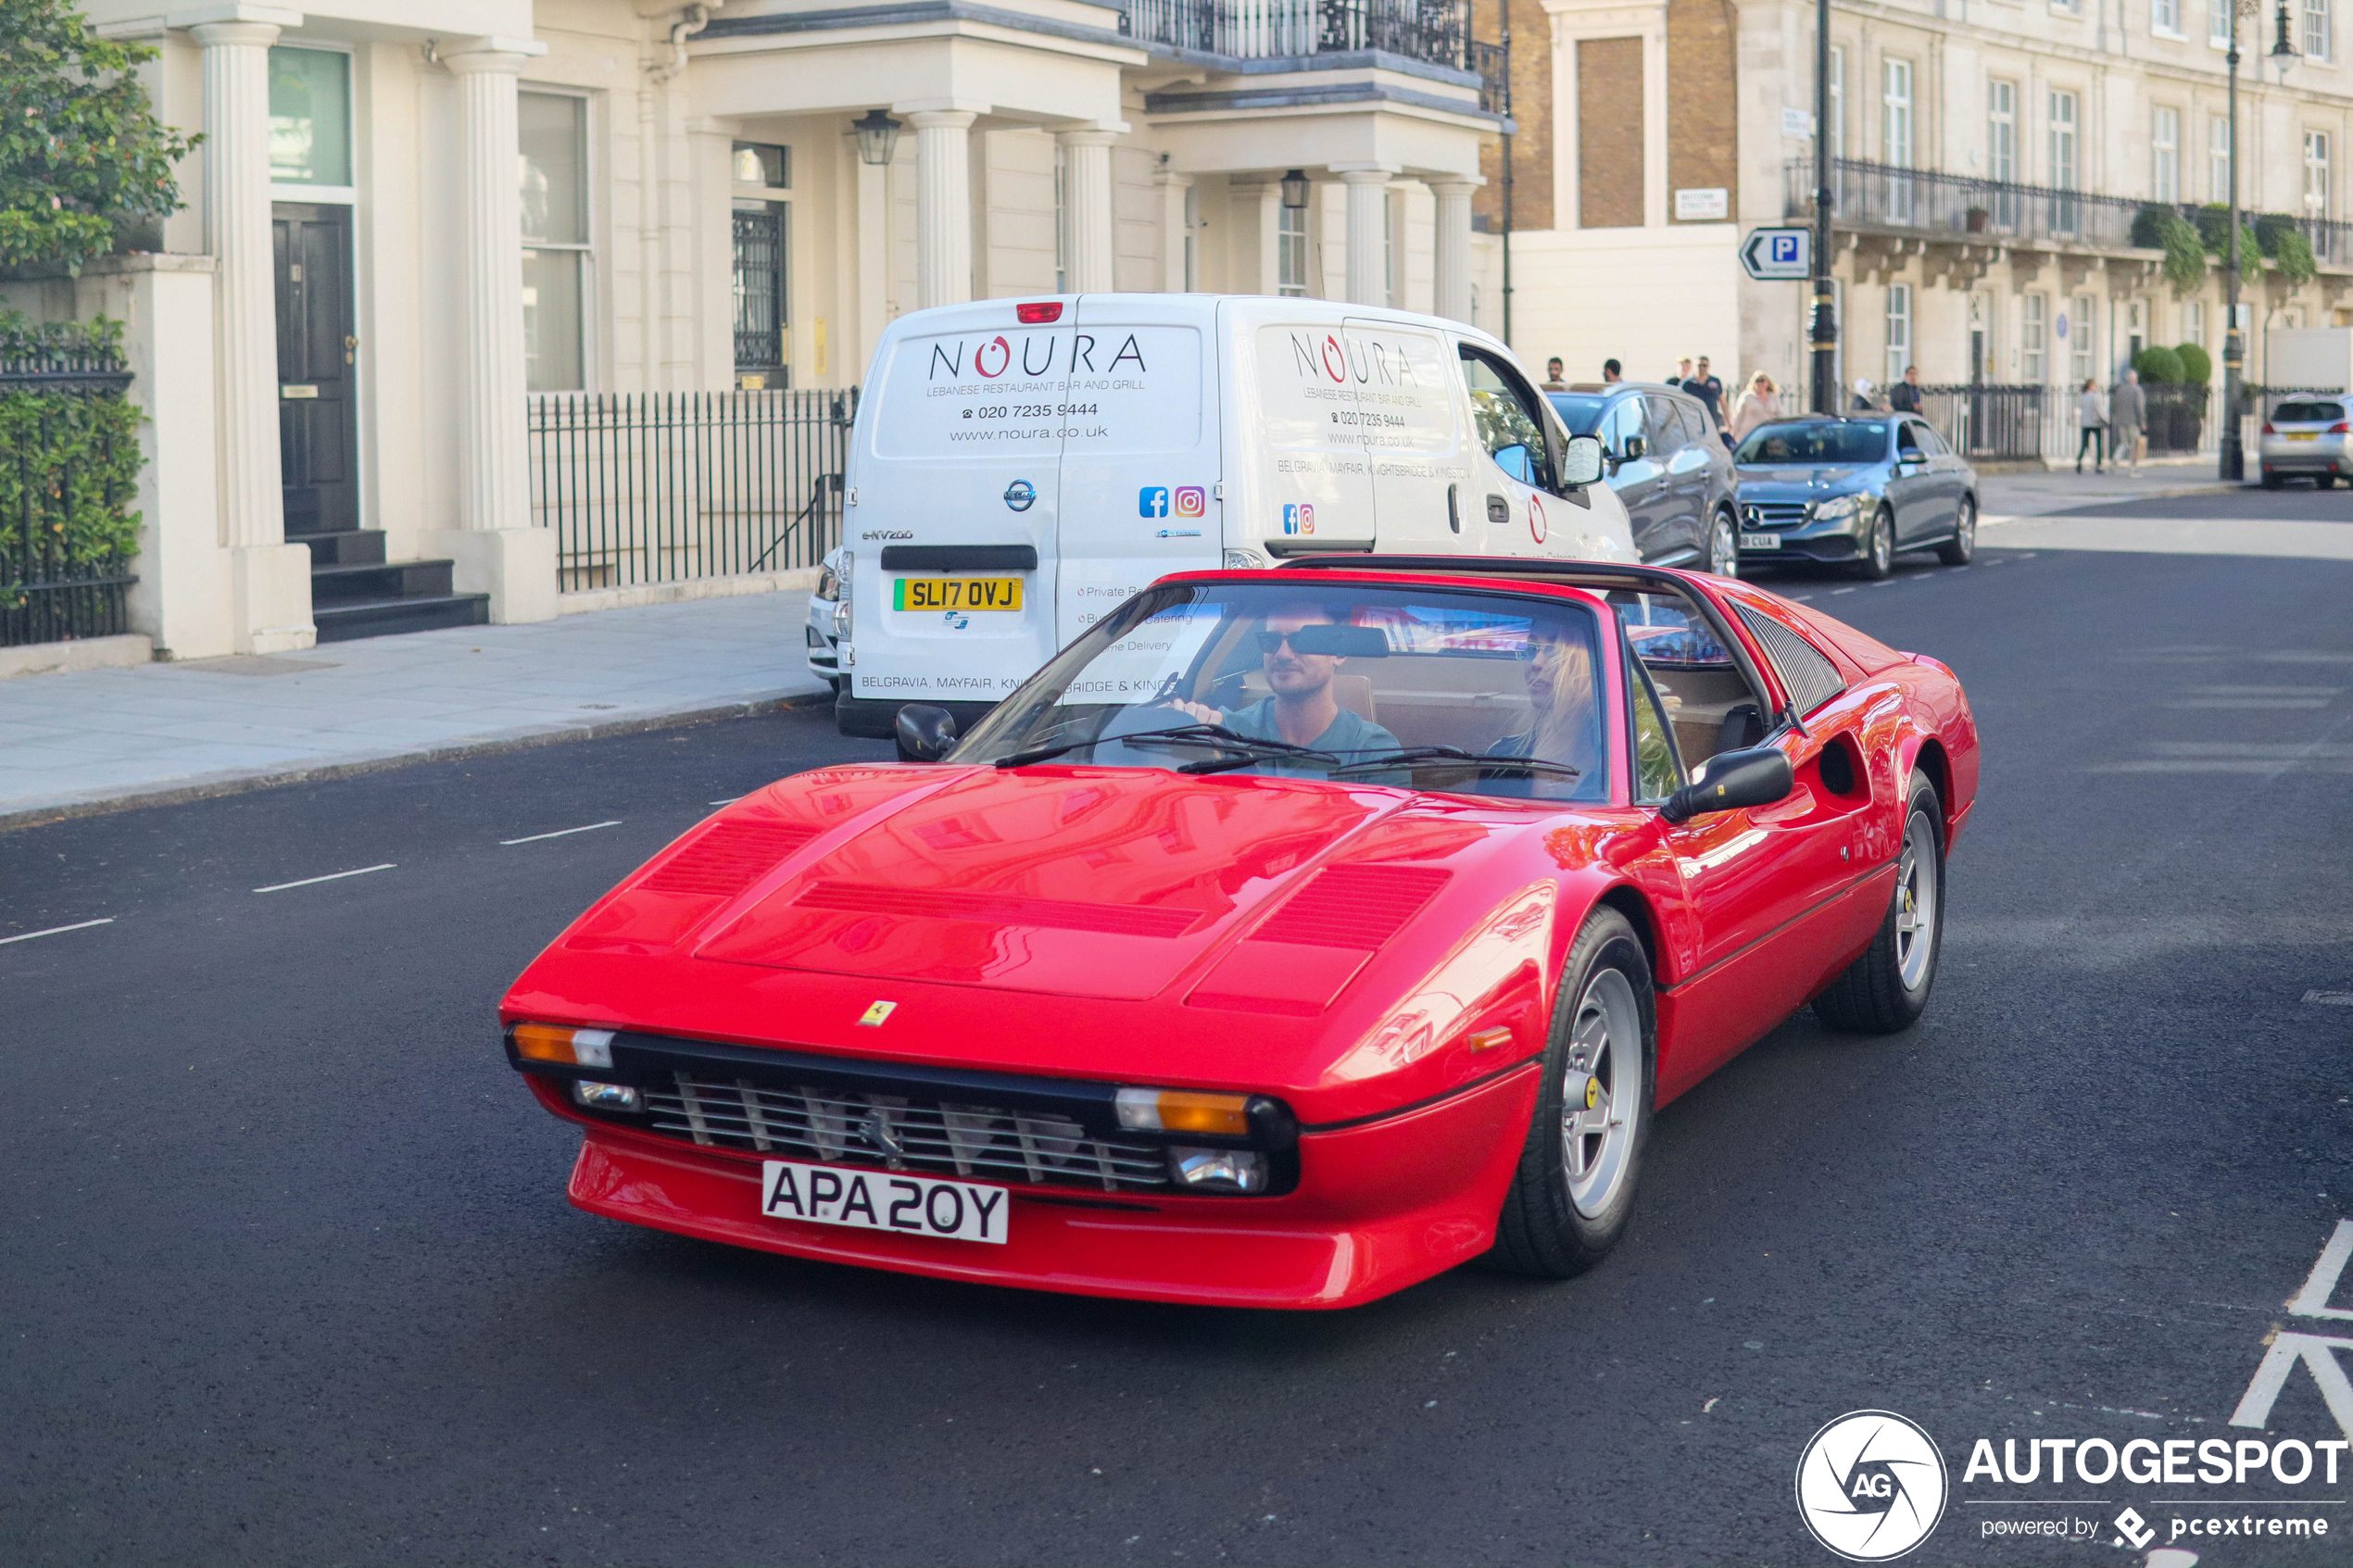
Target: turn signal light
(1184,1110)
(569,1048)
(1039,314)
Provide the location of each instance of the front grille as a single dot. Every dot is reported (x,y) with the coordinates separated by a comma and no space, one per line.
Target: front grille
(905,1134)
(1776,514)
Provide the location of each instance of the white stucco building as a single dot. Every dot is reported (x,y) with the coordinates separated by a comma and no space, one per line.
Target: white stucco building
(412,218)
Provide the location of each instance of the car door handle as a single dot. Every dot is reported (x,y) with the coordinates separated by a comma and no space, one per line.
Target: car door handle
(1498,511)
(1454,510)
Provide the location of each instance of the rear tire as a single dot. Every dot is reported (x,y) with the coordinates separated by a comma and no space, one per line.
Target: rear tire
(1723,546)
(2271,481)
(1568,1203)
(1961,548)
(1887,989)
(1879,547)
(2326,482)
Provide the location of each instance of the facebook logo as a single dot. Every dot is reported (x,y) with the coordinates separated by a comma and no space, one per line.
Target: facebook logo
(1152,501)
(1785,248)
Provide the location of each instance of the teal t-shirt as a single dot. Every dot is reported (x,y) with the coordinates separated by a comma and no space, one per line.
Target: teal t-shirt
(1350,736)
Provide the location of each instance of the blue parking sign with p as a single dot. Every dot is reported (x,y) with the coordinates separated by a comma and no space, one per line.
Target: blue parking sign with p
(1152,501)
(1785,248)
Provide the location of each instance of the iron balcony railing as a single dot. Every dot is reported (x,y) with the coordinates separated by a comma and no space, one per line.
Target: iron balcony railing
(1437,31)
(669,486)
(1880,195)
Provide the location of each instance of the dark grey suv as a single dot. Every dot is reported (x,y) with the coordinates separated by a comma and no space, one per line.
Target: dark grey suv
(1667,465)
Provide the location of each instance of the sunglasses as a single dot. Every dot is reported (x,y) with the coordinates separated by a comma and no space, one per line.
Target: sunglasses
(1270,641)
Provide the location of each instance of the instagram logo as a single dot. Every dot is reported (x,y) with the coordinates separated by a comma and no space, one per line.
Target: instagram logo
(1191,500)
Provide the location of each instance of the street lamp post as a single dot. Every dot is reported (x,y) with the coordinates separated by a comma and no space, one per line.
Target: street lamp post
(1824,334)
(2282,55)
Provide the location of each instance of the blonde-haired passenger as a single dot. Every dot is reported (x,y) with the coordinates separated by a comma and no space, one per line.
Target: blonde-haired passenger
(1564,702)
(1761,404)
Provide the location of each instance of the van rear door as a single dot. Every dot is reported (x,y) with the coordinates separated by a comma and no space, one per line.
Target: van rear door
(1141,461)
(958,495)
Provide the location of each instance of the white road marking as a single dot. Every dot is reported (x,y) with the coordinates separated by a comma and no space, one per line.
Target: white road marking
(729,802)
(331,876)
(2251,702)
(85,925)
(2318,1352)
(2312,1301)
(1835,592)
(2326,999)
(559,833)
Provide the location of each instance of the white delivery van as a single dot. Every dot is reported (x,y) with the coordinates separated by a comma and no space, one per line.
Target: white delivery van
(1019,468)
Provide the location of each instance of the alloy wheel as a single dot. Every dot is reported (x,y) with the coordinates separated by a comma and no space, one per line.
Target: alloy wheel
(1604,1075)
(1883,545)
(1723,548)
(1916,905)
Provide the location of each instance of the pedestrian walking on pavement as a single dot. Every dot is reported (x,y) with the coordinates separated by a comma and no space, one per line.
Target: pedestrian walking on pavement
(1866,399)
(2090,423)
(1683,371)
(1553,381)
(2127,412)
(1760,404)
(1708,389)
(1904,398)
(1612,372)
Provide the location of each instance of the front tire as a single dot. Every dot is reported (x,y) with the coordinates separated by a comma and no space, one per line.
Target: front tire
(1568,1203)
(1886,989)
(1723,546)
(1961,548)
(1879,547)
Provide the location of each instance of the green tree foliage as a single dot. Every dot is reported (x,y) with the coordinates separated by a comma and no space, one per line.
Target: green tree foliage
(81,149)
(2283,241)
(2184,263)
(2214,230)
(2197,366)
(2158,366)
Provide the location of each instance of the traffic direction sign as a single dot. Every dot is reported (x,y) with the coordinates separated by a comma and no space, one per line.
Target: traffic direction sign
(1779,254)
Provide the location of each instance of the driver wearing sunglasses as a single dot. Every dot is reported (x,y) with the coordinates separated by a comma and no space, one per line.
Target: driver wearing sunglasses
(1301,709)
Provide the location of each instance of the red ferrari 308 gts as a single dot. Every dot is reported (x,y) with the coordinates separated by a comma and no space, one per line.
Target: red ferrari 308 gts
(1289,937)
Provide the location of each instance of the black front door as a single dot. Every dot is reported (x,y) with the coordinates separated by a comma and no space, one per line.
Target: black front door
(318,426)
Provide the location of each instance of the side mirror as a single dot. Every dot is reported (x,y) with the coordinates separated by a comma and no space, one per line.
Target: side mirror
(927,733)
(1581,460)
(1755,777)
(1635,447)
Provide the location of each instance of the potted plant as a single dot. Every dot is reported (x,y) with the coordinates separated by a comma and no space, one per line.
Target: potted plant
(1978,218)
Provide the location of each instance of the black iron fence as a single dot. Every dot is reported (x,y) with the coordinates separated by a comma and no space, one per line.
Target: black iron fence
(68,460)
(1433,31)
(1989,422)
(1880,195)
(669,486)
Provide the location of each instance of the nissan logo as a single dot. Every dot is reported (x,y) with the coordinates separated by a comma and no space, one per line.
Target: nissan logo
(1021,495)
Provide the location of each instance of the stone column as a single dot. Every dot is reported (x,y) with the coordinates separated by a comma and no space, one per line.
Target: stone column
(1086,209)
(1252,253)
(268,579)
(872,262)
(943,206)
(496,549)
(1452,248)
(1176,234)
(1368,233)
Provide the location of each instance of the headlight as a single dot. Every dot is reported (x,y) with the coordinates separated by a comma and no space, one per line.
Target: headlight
(828,585)
(1837,508)
(1219,1170)
(605,1096)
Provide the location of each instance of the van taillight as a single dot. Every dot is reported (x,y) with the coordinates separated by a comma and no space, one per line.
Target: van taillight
(1039,314)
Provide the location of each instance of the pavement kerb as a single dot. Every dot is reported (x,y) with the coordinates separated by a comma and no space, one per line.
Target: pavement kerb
(203,786)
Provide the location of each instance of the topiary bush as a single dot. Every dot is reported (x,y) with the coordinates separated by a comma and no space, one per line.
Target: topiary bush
(2197,366)
(2158,366)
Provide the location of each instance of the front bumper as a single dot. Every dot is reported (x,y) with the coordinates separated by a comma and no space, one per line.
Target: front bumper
(1816,539)
(1376,1208)
(824,652)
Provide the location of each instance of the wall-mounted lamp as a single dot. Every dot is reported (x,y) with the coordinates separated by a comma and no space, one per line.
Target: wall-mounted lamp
(877,137)
(1295,189)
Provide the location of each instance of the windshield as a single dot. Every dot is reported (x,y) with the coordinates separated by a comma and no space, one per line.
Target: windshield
(1580,411)
(1845,442)
(1478,694)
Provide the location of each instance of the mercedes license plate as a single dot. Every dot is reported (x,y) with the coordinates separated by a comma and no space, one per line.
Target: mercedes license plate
(1760,541)
(877,1200)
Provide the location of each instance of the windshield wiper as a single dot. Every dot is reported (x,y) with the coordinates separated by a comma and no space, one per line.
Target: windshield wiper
(1457,754)
(1217,735)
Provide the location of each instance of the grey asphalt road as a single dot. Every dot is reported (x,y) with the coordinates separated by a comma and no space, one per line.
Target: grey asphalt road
(291,1279)
(2300,502)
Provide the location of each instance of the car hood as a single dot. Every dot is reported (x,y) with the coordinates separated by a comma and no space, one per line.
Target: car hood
(1780,479)
(1092,882)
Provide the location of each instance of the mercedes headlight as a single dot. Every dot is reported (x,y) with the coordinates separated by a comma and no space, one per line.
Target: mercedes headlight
(1838,508)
